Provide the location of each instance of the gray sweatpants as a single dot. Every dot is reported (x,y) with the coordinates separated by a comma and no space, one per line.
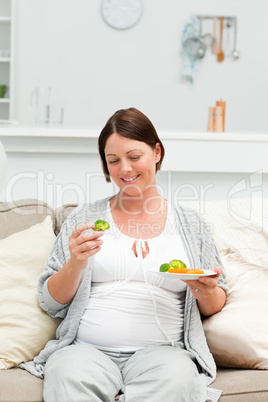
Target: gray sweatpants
(164,373)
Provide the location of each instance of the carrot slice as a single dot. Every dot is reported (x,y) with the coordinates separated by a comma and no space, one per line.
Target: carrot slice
(185,271)
(178,270)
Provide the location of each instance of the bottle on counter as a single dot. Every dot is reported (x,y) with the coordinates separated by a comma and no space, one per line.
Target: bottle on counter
(222,104)
(218,127)
(211,118)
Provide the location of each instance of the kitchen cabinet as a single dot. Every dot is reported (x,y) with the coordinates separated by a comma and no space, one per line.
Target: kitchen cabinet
(7,26)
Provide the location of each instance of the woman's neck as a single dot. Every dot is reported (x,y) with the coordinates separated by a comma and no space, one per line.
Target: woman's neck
(144,204)
(144,218)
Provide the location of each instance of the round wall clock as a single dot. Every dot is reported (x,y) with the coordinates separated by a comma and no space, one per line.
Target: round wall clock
(121,14)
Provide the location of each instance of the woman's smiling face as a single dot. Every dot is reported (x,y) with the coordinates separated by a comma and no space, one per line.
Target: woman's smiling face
(131,163)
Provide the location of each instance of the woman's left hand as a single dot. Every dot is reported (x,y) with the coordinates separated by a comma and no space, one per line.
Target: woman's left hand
(204,286)
(210,297)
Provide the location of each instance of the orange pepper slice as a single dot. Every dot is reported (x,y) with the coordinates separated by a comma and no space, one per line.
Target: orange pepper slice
(194,271)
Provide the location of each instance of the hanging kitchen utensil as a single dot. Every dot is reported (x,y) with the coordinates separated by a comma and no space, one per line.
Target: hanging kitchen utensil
(207,37)
(227,41)
(220,55)
(235,53)
(195,46)
(215,45)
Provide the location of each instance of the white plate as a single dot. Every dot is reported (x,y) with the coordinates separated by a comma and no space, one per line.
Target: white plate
(207,272)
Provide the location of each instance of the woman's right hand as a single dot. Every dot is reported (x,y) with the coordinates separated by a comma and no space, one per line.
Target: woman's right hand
(63,284)
(83,245)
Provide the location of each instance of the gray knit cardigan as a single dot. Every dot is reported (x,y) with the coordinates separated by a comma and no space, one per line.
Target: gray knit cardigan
(202,253)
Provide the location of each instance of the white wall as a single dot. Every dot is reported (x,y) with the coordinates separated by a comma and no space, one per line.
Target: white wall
(96,69)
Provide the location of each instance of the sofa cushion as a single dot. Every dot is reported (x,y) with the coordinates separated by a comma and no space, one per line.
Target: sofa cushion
(22,214)
(18,385)
(237,335)
(25,327)
(242,385)
(240,224)
(61,214)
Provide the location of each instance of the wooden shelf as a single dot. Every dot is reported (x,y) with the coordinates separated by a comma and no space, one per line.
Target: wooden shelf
(5,19)
(8,27)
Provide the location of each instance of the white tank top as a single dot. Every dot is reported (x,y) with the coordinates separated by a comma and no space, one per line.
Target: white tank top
(131,306)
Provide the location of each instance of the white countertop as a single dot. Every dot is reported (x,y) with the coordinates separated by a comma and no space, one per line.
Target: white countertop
(18,130)
(185,151)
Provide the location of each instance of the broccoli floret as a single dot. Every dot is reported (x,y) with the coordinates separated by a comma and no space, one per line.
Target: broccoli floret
(177,264)
(164,267)
(101,225)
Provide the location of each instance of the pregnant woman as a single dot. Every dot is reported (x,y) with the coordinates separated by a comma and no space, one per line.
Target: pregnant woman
(126,329)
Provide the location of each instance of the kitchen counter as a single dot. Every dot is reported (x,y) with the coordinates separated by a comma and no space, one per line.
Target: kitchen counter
(185,151)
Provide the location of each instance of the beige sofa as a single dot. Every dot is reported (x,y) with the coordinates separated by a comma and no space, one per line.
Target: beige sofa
(237,384)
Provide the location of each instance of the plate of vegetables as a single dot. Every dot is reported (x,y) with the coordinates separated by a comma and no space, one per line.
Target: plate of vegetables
(177,269)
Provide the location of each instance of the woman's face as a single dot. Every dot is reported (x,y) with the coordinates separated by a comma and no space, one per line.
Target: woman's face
(131,163)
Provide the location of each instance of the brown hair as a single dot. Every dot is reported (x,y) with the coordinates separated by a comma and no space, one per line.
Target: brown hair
(133,124)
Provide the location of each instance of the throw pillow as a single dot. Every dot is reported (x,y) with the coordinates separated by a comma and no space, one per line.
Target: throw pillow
(240,224)
(24,327)
(237,335)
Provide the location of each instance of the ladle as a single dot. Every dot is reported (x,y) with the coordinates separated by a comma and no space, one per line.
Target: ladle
(220,55)
(235,53)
